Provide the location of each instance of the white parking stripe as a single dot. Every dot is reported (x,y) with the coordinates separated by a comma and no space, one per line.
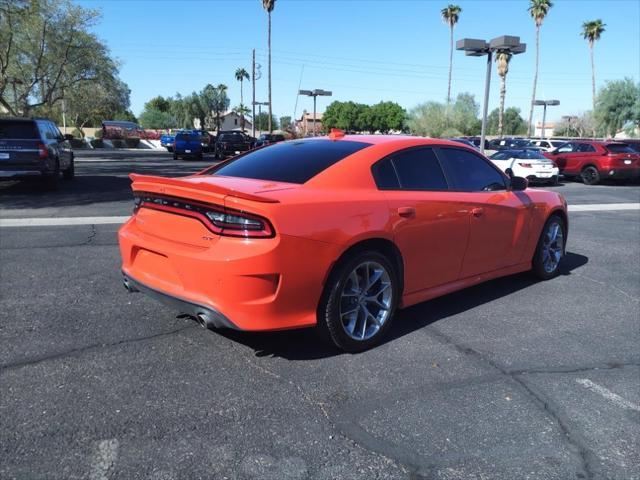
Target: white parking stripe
(608,394)
(104,459)
(60,221)
(603,207)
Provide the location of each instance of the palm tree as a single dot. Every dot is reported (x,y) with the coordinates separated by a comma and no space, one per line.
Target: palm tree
(269,5)
(591,31)
(538,9)
(450,15)
(241,75)
(502,64)
(221,102)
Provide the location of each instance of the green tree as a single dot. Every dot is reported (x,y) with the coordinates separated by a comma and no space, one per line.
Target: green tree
(617,106)
(262,122)
(591,31)
(343,115)
(428,119)
(153,118)
(433,119)
(194,108)
(268,6)
(538,9)
(388,116)
(241,75)
(513,123)
(285,123)
(464,115)
(502,65)
(450,15)
(159,103)
(46,51)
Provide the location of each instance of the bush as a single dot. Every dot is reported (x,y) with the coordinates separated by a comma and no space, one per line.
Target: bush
(77,133)
(132,142)
(99,133)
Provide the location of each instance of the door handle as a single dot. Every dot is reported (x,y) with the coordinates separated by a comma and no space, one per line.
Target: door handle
(407,212)
(477,212)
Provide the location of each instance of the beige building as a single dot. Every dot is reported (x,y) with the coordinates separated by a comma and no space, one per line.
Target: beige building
(229,121)
(305,125)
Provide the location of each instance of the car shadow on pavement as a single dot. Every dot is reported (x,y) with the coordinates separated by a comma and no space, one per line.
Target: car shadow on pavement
(306,344)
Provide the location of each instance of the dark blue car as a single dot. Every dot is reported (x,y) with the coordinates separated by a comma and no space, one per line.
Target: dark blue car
(187,144)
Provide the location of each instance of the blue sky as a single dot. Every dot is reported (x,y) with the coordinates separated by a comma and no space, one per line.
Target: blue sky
(363,50)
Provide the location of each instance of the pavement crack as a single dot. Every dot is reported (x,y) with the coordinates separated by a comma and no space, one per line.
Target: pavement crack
(91,236)
(573,369)
(75,352)
(576,443)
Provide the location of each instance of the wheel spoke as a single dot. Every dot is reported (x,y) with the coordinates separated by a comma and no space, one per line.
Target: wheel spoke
(382,289)
(377,275)
(373,317)
(355,282)
(350,311)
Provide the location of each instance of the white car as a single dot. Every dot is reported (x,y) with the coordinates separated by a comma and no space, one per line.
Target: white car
(547,145)
(528,163)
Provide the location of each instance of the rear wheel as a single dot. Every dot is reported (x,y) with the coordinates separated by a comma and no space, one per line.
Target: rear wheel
(550,249)
(175,156)
(51,181)
(359,301)
(590,175)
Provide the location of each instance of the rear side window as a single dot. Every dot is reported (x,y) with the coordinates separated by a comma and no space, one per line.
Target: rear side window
(469,172)
(585,148)
(292,162)
(620,148)
(419,169)
(385,175)
(18,130)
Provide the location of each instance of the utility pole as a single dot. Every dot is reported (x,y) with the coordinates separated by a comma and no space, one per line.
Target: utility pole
(253,103)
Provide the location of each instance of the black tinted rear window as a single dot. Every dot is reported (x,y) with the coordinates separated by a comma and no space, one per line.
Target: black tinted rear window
(231,137)
(18,129)
(293,162)
(620,148)
(187,137)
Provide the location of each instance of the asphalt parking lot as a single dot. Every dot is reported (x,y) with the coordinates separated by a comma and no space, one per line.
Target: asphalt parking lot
(512,379)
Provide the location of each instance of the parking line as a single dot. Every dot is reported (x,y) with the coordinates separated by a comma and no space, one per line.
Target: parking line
(603,207)
(60,221)
(608,394)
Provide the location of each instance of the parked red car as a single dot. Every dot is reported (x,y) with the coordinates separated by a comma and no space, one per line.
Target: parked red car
(594,161)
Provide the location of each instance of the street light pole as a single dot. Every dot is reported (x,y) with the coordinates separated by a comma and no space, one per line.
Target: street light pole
(474,47)
(544,103)
(315,93)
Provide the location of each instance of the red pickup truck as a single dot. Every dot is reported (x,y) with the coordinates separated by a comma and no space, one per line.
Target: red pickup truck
(594,161)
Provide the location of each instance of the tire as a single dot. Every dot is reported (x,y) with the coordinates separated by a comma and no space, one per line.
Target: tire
(551,249)
(357,331)
(200,156)
(52,180)
(555,180)
(175,156)
(170,149)
(70,171)
(590,175)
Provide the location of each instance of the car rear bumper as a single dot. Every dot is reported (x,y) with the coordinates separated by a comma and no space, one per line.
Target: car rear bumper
(254,285)
(621,173)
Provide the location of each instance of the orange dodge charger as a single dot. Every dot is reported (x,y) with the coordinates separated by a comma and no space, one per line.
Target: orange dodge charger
(335,232)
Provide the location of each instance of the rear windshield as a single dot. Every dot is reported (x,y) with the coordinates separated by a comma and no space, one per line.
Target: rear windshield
(620,148)
(231,137)
(292,162)
(18,130)
(187,137)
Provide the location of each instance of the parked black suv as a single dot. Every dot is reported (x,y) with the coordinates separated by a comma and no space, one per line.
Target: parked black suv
(231,143)
(269,138)
(34,148)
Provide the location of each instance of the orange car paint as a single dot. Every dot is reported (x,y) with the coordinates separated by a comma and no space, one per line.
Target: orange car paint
(454,240)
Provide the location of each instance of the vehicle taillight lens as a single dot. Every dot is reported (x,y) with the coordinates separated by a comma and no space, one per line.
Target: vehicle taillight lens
(525,165)
(42,151)
(218,219)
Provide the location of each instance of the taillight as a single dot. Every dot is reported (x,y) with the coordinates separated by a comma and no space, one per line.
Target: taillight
(42,151)
(220,220)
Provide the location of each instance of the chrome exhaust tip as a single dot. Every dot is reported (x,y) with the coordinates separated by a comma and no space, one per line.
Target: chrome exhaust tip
(202,320)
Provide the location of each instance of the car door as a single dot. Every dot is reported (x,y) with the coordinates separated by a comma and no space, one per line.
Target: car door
(499,217)
(586,154)
(430,228)
(565,157)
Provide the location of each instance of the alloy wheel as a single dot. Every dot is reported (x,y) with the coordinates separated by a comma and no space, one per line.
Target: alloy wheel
(552,247)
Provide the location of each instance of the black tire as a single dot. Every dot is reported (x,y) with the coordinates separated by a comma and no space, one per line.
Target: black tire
(539,266)
(51,181)
(175,156)
(170,149)
(70,171)
(330,323)
(200,156)
(590,175)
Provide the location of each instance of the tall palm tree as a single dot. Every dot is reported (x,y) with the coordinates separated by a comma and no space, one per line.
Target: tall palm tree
(221,102)
(591,31)
(538,9)
(502,64)
(241,76)
(269,5)
(450,15)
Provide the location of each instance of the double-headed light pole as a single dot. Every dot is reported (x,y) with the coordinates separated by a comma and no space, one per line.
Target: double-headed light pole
(315,93)
(477,48)
(544,114)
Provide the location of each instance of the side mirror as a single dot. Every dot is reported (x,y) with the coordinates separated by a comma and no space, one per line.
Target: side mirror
(519,183)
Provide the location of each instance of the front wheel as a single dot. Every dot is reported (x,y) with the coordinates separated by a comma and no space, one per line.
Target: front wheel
(590,175)
(359,301)
(550,249)
(70,171)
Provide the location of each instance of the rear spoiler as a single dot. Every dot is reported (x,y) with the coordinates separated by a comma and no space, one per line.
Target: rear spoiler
(140,180)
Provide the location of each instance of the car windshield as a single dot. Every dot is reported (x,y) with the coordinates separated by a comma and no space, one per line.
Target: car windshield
(231,137)
(187,137)
(292,162)
(620,148)
(18,129)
